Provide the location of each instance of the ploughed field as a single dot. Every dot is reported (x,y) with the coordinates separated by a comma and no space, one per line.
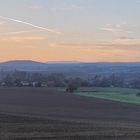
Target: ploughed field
(48,114)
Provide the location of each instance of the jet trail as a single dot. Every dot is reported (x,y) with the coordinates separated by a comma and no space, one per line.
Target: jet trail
(30,24)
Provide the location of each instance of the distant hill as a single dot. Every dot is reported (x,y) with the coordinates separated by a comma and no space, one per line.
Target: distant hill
(22,62)
(63,62)
(75,67)
(26,65)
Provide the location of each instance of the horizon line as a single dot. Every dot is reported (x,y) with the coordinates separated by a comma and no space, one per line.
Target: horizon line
(68,61)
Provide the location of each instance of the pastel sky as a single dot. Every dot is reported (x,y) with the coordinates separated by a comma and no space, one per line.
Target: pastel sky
(58,30)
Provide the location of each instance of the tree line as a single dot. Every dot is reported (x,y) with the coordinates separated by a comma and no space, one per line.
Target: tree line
(15,78)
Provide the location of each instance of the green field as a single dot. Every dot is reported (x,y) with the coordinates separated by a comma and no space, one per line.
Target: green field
(116,94)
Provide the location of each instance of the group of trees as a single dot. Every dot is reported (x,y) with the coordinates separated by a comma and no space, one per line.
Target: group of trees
(72,82)
(16,78)
(117,80)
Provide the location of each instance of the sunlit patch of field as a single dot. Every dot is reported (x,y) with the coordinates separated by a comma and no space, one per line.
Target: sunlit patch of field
(116,94)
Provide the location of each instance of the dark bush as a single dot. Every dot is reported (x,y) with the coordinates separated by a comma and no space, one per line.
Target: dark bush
(71,88)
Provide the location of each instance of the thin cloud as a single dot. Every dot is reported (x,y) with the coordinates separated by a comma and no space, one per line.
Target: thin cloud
(71,7)
(111,29)
(24,38)
(32,25)
(20,32)
(117,28)
(127,38)
(35,7)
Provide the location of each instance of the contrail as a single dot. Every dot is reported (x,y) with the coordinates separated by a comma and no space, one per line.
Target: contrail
(30,24)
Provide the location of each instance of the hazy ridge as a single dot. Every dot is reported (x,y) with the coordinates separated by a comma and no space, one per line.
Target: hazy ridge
(70,66)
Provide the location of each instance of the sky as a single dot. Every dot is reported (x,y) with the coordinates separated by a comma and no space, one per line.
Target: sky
(67,30)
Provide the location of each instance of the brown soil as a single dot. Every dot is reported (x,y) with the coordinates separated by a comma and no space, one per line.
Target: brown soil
(48,114)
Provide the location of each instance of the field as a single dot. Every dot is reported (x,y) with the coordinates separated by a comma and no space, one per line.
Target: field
(49,114)
(116,94)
